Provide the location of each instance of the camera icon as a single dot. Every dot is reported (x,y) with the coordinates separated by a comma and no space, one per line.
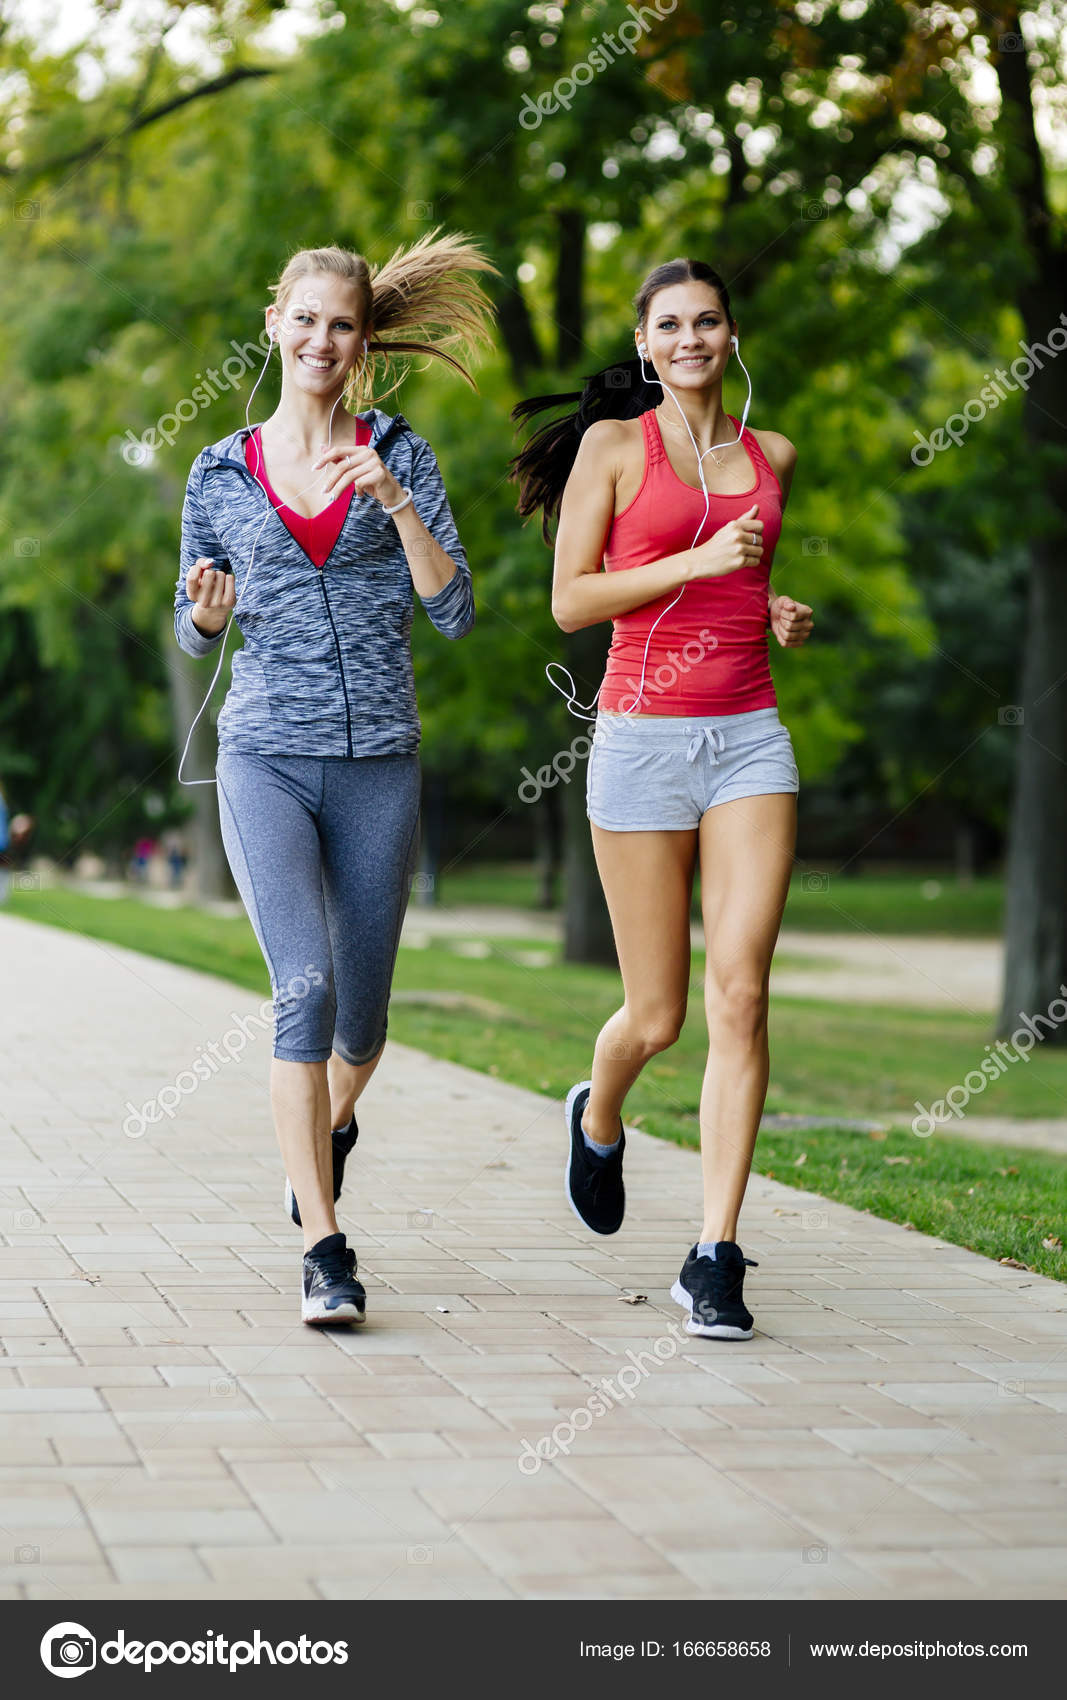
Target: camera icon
(1010,44)
(420,209)
(68,1649)
(619,1049)
(27,1220)
(27,209)
(815,1554)
(27,1555)
(26,882)
(135,454)
(815,209)
(815,546)
(815,1219)
(617,378)
(814,882)
(1010,716)
(420,1219)
(225,1387)
(26,546)
(420,1555)
(422,882)
(1011,1389)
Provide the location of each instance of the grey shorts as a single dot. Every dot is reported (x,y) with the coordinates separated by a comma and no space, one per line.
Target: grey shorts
(655,773)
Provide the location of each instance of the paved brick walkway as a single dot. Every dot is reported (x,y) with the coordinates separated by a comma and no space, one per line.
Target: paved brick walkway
(168,1427)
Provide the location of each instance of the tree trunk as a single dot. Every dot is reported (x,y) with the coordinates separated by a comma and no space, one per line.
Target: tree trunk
(1035,957)
(587,926)
(548,826)
(570,276)
(514,321)
(212,879)
(431,837)
(965,851)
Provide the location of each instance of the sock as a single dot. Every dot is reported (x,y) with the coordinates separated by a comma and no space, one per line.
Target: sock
(603,1150)
(332,1242)
(706,1248)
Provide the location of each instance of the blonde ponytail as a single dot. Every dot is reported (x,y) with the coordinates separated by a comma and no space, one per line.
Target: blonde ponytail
(423,300)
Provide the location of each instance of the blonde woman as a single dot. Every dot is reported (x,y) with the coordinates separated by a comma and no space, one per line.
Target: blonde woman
(316,530)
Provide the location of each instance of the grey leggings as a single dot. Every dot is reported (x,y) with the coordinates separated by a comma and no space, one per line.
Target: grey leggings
(322,849)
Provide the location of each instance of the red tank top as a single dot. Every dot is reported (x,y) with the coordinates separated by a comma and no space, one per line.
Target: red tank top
(318,535)
(709,654)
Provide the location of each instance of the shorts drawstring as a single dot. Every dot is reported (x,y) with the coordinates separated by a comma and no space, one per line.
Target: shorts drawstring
(711,733)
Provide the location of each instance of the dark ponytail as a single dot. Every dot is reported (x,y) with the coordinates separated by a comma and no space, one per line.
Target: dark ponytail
(542,468)
(544,465)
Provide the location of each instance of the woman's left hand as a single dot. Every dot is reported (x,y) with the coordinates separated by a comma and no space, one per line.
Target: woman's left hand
(791,622)
(360,466)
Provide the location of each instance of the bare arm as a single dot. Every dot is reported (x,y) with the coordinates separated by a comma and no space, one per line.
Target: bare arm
(790,621)
(583,594)
(783,458)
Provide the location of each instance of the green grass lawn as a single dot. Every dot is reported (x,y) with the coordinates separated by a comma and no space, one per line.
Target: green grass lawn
(534,1026)
(819,902)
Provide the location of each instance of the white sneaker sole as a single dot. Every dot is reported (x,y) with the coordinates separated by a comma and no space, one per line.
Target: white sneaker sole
(709,1330)
(316,1314)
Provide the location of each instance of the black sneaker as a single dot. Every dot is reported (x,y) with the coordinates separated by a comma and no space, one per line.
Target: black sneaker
(331,1291)
(712,1291)
(593,1184)
(343,1142)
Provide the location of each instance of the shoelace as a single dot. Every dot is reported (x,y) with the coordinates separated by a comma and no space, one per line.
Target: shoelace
(337,1265)
(714,737)
(727,1275)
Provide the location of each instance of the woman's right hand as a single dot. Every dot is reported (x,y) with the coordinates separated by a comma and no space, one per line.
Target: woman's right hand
(730,548)
(213,592)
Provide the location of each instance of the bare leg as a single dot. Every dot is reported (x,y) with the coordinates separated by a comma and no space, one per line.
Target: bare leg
(648,883)
(300,1099)
(310,1099)
(346,1081)
(746,858)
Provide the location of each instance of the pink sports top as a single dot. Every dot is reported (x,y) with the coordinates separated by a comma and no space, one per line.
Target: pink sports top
(709,654)
(318,535)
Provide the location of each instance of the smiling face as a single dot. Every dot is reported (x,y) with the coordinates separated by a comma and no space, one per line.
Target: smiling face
(687,335)
(321,332)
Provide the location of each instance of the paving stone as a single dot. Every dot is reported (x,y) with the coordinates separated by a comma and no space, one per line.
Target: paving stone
(581,1548)
(167,1564)
(895,1428)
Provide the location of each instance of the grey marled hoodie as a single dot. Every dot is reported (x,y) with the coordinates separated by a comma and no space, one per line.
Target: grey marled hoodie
(326,665)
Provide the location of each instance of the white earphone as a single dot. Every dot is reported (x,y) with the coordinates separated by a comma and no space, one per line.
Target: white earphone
(642,350)
(272,337)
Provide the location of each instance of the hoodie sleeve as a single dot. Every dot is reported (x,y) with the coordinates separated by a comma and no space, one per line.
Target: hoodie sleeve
(198,538)
(450,609)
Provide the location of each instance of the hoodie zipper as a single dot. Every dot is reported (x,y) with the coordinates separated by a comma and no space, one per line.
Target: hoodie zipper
(222,460)
(340,660)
